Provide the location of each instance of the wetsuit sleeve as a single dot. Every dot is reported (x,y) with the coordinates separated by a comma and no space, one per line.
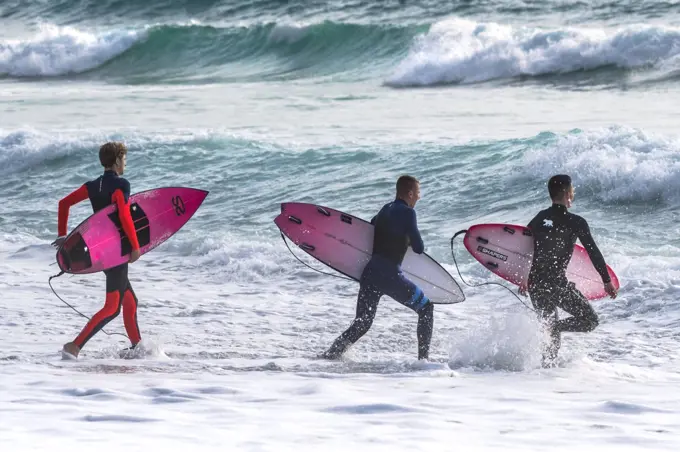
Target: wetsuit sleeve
(414,234)
(64,206)
(125,218)
(588,243)
(125,188)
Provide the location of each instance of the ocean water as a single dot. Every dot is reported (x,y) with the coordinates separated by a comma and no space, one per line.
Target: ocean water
(266,101)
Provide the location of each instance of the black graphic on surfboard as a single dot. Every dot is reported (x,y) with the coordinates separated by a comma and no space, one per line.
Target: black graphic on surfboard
(141,223)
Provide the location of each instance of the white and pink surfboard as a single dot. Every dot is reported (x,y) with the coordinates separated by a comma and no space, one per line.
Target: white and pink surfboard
(99,242)
(345,243)
(507,250)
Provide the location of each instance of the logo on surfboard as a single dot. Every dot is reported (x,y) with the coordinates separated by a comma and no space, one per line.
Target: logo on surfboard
(178,202)
(492,253)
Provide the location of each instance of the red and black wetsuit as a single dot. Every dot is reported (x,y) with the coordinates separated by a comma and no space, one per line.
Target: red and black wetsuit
(108,189)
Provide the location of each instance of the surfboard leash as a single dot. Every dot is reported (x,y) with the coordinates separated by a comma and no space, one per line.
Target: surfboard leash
(309,266)
(453,255)
(49,281)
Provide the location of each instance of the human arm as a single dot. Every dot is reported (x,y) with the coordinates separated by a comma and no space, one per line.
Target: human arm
(414,234)
(64,206)
(121,198)
(594,253)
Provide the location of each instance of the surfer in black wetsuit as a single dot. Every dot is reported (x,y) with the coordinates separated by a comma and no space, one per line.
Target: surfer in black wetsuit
(396,228)
(555,231)
(107,189)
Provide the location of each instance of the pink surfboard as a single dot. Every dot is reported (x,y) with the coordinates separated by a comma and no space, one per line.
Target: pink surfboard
(507,250)
(345,243)
(99,242)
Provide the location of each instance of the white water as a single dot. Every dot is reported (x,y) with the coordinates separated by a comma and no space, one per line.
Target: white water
(231,365)
(465,51)
(232,323)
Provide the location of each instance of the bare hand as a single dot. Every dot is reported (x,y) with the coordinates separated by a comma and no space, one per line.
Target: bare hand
(523,289)
(610,289)
(134,255)
(57,243)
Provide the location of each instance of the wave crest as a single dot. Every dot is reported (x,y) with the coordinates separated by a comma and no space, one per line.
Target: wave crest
(464,51)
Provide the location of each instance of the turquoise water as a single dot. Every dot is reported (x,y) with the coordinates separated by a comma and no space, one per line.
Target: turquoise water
(268,101)
(329,102)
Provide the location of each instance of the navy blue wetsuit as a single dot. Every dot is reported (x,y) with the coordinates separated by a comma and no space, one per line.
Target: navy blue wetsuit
(396,229)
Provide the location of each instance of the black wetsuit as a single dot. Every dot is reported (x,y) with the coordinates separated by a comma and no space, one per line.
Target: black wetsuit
(395,229)
(555,231)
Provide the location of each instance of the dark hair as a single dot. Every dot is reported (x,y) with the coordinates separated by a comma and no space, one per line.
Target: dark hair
(110,152)
(405,184)
(558,185)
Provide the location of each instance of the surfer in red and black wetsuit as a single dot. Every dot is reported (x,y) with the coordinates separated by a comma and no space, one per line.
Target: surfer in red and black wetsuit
(396,229)
(555,231)
(107,189)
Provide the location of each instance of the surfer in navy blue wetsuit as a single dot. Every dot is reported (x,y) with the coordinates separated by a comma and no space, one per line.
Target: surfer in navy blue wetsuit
(555,231)
(109,188)
(396,228)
